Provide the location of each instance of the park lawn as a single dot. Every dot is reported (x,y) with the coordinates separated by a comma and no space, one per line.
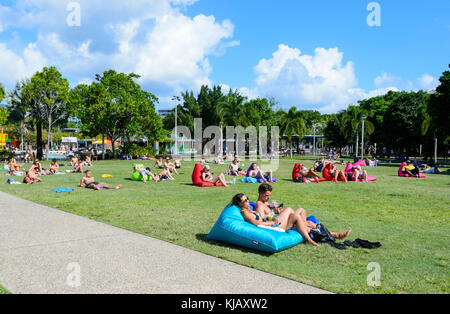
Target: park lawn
(4,291)
(409,216)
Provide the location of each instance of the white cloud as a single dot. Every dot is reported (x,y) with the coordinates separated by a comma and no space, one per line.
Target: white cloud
(149,37)
(320,81)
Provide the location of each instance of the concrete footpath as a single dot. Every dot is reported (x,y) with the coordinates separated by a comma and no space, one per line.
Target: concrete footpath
(44,250)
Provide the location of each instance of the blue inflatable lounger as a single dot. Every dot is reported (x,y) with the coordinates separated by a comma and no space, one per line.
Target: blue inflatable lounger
(232,228)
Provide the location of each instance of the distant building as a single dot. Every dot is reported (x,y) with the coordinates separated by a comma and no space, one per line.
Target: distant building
(164,112)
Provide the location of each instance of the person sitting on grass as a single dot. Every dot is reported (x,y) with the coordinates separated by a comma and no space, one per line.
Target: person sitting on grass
(319,165)
(36,164)
(89,182)
(54,167)
(177,163)
(410,169)
(208,177)
(78,167)
(74,160)
(234,169)
(87,161)
(14,166)
(170,166)
(256,172)
(159,163)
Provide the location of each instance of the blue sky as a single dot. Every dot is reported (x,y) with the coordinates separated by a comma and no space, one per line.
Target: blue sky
(311,54)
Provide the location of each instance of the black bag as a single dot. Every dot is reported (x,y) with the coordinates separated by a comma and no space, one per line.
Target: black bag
(321,234)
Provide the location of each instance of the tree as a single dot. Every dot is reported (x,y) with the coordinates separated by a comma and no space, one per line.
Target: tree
(439,109)
(18,107)
(2,92)
(47,93)
(231,111)
(291,123)
(116,106)
(353,123)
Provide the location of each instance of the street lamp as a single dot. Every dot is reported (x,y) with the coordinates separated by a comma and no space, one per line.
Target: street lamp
(177,98)
(362,138)
(314,138)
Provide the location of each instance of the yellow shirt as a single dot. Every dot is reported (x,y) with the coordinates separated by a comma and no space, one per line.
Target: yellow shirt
(408,167)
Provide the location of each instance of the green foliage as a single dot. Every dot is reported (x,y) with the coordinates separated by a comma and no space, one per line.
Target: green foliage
(116,106)
(439,109)
(46,98)
(2,92)
(3,115)
(137,150)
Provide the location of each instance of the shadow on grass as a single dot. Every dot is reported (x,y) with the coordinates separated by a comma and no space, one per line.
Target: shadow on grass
(202,237)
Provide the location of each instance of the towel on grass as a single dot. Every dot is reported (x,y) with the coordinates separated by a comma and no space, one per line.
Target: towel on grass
(62,190)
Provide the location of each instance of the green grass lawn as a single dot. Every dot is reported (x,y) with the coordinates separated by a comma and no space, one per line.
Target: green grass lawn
(4,291)
(409,216)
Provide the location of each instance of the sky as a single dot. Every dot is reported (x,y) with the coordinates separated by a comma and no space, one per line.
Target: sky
(321,55)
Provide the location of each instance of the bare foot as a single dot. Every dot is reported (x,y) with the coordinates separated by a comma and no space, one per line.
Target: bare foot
(119,186)
(341,235)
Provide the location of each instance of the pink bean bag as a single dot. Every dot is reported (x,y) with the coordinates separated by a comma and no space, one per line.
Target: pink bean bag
(197,177)
(360,162)
(401,174)
(349,169)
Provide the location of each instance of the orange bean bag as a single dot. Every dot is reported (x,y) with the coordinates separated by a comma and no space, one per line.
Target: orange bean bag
(197,177)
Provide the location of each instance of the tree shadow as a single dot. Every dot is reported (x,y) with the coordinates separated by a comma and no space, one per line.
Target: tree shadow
(202,237)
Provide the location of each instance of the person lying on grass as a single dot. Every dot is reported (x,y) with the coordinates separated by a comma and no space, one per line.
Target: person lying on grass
(256,172)
(309,173)
(336,173)
(32,176)
(208,177)
(234,169)
(89,182)
(410,169)
(54,167)
(358,173)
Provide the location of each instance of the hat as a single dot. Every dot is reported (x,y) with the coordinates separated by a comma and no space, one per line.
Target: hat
(206,167)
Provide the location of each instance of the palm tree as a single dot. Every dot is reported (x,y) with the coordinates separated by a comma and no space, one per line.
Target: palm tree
(232,111)
(18,109)
(353,117)
(291,123)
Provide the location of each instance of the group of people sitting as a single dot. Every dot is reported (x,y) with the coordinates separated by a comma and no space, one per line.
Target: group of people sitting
(167,169)
(270,214)
(333,173)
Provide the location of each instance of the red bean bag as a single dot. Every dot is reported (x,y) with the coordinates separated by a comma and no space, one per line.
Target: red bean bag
(326,173)
(197,177)
(401,174)
(296,173)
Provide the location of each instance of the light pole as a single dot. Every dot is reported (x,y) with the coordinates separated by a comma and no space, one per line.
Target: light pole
(362,138)
(314,139)
(177,98)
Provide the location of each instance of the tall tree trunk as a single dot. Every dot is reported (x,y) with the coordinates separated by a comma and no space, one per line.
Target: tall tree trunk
(39,140)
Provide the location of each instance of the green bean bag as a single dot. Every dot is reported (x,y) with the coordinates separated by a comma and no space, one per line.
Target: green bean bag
(136,176)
